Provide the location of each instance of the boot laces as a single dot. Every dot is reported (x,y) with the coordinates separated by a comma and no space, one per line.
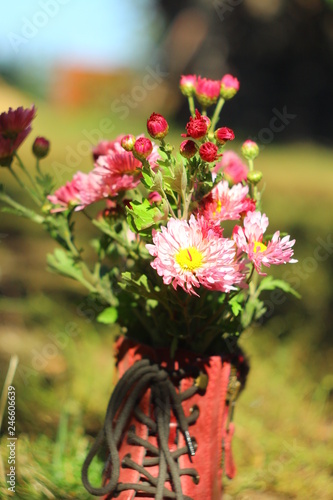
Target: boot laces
(123,403)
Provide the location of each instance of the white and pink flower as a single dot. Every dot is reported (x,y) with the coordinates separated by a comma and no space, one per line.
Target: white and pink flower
(226,203)
(249,239)
(191,254)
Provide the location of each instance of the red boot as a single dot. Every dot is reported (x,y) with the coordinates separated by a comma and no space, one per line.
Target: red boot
(167,425)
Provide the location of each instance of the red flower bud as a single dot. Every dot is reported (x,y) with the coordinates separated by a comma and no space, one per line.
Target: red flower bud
(197,127)
(142,148)
(157,126)
(41,147)
(127,142)
(224,134)
(208,151)
(207,91)
(188,149)
(187,84)
(229,87)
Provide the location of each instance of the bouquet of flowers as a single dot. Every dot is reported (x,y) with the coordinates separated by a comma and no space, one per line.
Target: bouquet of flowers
(182,250)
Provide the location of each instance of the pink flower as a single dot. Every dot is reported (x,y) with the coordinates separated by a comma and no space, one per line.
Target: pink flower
(208,151)
(66,196)
(234,169)
(249,239)
(187,84)
(9,146)
(118,171)
(229,86)
(157,126)
(192,254)
(207,91)
(225,203)
(197,127)
(188,148)
(14,122)
(142,148)
(105,147)
(224,134)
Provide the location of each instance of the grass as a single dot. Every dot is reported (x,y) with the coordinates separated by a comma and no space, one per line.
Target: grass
(283,440)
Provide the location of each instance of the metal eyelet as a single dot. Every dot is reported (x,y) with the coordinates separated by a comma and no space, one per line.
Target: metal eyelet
(195,408)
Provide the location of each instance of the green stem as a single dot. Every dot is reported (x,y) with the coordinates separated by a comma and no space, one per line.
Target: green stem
(216,115)
(26,212)
(191,105)
(20,162)
(38,167)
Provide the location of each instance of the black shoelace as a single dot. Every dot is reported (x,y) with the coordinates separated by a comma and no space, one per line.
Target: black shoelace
(164,397)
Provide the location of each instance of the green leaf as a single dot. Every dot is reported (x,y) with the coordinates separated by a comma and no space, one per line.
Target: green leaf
(146,180)
(270,283)
(236,306)
(141,215)
(109,315)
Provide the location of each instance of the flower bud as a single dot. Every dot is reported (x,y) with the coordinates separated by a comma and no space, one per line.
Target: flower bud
(250,150)
(188,149)
(254,177)
(154,197)
(157,126)
(41,147)
(229,87)
(207,91)
(188,84)
(127,142)
(224,134)
(142,148)
(208,151)
(197,127)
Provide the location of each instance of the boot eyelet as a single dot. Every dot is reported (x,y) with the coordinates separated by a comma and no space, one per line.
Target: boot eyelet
(196,479)
(195,408)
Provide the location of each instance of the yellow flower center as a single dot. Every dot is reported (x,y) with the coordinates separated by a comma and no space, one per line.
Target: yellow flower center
(189,258)
(219,206)
(259,247)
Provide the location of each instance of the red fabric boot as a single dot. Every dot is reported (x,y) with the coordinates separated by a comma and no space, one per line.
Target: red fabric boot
(168,425)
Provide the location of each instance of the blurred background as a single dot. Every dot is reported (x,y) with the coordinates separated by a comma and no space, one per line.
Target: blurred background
(98,69)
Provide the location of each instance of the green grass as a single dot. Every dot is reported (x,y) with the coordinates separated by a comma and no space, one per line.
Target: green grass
(283,440)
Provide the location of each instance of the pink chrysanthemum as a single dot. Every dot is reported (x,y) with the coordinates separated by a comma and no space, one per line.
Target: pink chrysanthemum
(15,121)
(249,239)
(225,203)
(192,254)
(105,147)
(187,84)
(80,192)
(66,196)
(233,167)
(120,170)
(207,91)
